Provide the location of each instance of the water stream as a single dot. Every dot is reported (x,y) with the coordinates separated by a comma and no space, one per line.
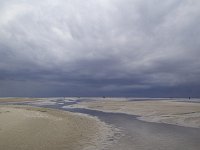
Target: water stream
(137,135)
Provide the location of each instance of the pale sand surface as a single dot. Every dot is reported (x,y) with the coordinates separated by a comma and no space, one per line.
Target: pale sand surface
(17,99)
(171,112)
(29,128)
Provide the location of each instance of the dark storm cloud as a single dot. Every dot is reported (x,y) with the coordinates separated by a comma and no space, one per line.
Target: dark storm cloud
(101,47)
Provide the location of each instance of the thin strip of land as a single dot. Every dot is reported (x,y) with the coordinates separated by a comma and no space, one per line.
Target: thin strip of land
(17,99)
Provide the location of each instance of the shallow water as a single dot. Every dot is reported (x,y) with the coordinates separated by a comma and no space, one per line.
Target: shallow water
(138,135)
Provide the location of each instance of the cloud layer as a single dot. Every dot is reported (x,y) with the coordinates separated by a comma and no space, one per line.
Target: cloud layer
(101,47)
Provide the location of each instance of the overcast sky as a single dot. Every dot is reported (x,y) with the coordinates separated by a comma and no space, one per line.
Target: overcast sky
(100,47)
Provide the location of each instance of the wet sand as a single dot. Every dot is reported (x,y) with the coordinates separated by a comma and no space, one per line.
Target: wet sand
(166,111)
(23,127)
(141,135)
(134,134)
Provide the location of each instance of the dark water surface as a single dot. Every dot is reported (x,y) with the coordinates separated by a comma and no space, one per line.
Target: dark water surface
(138,135)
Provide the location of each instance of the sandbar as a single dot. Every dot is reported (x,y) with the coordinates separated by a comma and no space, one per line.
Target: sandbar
(160,111)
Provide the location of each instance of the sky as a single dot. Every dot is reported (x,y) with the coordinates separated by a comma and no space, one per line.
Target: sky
(140,48)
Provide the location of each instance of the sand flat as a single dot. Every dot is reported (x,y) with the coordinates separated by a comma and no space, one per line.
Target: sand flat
(178,113)
(17,99)
(23,127)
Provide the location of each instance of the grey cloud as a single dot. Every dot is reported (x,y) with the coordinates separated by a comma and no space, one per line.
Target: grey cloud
(97,47)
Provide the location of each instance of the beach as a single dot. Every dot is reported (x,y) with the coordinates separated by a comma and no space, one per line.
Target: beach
(32,128)
(99,124)
(17,99)
(160,111)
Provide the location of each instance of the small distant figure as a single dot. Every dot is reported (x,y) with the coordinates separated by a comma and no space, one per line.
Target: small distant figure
(189,98)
